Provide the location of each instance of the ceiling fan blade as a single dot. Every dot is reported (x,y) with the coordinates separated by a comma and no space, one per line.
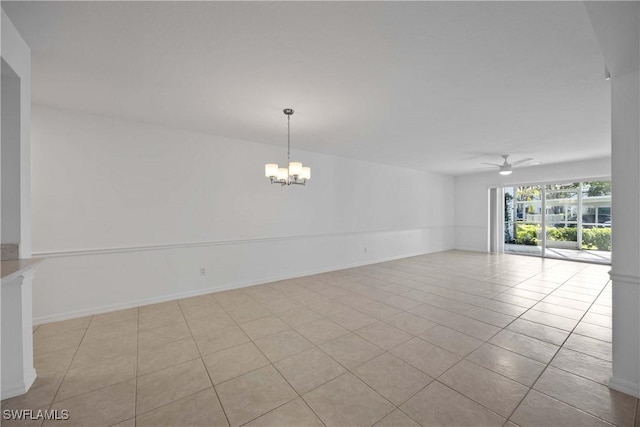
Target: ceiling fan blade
(490,164)
(522,161)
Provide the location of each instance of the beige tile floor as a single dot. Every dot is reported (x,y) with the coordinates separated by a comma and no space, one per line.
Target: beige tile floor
(450,339)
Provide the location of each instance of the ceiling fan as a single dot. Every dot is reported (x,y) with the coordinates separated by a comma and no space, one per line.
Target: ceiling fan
(505,168)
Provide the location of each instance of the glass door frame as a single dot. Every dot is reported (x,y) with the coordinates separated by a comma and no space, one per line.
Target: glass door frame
(543,220)
(497,206)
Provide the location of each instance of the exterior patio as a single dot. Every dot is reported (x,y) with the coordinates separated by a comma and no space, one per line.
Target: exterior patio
(599,257)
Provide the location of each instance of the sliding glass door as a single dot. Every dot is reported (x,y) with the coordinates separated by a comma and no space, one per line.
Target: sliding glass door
(596,219)
(523,217)
(562,217)
(568,220)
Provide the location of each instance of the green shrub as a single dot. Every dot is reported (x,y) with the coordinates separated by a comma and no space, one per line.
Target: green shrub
(527,234)
(592,238)
(596,238)
(562,234)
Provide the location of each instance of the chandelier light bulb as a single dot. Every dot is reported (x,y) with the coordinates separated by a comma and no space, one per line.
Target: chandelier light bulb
(283,174)
(305,173)
(271,170)
(295,168)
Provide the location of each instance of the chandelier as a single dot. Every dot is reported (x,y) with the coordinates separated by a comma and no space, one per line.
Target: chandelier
(294,173)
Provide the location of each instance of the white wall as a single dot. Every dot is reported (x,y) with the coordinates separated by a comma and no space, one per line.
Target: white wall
(472,197)
(17,55)
(10,134)
(128,213)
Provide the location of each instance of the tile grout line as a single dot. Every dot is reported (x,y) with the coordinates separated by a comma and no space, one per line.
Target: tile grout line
(398,406)
(263,355)
(53,400)
(317,346)
(90,391)
(413,336)
(529,388)
(556,352)
(531,308)
(202,360)
(549,364)
(61,348)
(280,373)
(474,401)
(379,320)
(462,358)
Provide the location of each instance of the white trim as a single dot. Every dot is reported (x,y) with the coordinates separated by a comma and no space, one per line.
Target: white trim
(624,386)
(180,295)
(543,219)
(554,181)
(76,252)
(25,273)
(634,280)
(19,389)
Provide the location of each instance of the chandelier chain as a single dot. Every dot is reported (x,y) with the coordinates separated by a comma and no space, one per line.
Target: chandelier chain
(288,139)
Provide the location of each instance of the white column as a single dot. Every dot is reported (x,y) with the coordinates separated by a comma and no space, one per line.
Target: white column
(617,28)
(17,373)
(625,265)
(496,216)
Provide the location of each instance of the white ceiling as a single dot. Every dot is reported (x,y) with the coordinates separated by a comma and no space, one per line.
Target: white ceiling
(436,86)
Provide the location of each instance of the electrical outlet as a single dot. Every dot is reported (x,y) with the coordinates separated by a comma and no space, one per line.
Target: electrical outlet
(203,271)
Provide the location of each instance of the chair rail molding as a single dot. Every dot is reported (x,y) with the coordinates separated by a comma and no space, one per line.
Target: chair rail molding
(634,280)
(155,247)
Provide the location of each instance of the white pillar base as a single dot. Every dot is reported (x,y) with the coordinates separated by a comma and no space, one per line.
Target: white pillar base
(625,386)
(17,373)
(17,389)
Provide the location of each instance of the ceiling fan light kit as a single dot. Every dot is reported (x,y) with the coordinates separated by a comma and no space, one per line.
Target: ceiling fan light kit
(294,173)
(506,168)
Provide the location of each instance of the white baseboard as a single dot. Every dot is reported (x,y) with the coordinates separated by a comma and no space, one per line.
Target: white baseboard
(13,390)
(192,293)
(625,386)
